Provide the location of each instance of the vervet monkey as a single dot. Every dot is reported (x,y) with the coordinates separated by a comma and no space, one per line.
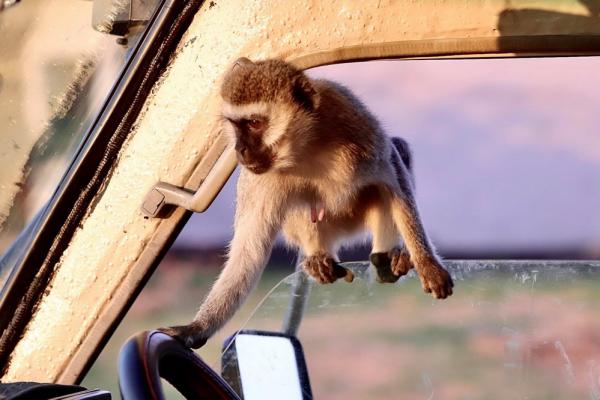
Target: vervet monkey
(317,165)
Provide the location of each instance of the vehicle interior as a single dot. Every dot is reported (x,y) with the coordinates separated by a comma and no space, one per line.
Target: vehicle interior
(112,143)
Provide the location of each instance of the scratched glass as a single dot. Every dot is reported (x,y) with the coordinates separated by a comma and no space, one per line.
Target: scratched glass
(513,329)
(56,73)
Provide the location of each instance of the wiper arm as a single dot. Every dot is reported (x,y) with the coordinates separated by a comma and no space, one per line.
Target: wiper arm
(4,4)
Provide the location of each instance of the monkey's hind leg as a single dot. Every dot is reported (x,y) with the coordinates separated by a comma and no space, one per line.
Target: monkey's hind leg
(390,258)
(434,277)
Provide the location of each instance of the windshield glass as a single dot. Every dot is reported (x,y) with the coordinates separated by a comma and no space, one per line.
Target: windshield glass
(515,329)
(55,73)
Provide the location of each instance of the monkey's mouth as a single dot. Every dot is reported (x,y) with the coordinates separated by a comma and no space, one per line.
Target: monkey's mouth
(257,168)
(257,163)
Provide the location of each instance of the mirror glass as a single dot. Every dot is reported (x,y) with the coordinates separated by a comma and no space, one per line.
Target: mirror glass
(266,366)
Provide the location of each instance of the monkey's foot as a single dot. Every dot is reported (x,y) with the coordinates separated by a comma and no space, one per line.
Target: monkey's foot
(392,265)
(435,279)
(190,335)
(324,269)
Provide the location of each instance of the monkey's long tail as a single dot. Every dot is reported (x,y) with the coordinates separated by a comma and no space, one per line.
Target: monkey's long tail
(403,149)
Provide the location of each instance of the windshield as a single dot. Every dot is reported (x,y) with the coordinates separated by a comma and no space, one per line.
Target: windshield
(515,329)
(56,72)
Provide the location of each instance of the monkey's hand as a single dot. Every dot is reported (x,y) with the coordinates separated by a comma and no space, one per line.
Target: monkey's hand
(324,269)
(434,278)
(392,265)
(190,335)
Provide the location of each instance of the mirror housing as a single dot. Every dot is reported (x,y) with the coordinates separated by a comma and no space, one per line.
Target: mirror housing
(117,17)
(265,365)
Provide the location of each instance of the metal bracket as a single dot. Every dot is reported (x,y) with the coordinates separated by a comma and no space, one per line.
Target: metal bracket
(217,166)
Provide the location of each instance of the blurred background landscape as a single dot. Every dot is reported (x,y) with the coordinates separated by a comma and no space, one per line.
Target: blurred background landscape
(507,160)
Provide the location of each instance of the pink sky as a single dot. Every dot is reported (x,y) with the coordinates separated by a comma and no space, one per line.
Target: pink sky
(507,151)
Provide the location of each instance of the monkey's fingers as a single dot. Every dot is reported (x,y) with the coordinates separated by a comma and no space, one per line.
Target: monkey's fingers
(325,269)
(341,272)
(400,263)
(321,267)
(189,335)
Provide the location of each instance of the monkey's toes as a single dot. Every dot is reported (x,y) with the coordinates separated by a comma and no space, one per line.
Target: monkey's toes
(190,335)
(401,263)
(392,265)
(383,266)
(324,269)
(436,280)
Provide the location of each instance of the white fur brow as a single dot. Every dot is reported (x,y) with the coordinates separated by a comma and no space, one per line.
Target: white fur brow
(238,111)
(277,125)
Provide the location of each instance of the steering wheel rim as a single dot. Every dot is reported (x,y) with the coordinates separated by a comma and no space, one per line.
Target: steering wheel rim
(149,356)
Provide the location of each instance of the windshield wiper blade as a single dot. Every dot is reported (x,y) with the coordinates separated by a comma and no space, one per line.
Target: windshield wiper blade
(4,4)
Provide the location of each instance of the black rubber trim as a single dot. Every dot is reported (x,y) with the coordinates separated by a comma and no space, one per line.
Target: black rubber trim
(90,170)
(148,356)
(34,390)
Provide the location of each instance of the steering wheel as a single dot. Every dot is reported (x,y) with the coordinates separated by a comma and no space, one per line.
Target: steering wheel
(148,356)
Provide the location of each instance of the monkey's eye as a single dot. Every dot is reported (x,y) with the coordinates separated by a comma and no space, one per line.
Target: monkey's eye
(255,124)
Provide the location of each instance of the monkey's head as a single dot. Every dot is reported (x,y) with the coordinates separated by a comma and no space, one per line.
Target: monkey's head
(267,108)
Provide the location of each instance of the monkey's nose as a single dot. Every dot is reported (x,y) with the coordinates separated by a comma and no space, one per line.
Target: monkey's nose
(243,150)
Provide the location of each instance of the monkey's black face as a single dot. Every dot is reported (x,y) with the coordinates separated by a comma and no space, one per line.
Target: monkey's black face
(250,147)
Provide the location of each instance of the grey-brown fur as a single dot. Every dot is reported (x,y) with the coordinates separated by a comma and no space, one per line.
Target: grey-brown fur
(311,144)
(270,81)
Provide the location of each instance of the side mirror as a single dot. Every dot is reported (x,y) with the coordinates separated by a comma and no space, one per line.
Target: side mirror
(265,365)
(117,17)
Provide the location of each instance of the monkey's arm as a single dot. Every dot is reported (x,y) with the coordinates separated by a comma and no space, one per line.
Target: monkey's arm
(258,219)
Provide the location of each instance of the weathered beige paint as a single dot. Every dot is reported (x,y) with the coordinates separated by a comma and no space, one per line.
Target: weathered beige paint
(178,125)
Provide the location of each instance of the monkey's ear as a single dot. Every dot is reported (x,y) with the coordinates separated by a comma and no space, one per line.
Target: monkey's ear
(236,67)
(241,62)
(304,93)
